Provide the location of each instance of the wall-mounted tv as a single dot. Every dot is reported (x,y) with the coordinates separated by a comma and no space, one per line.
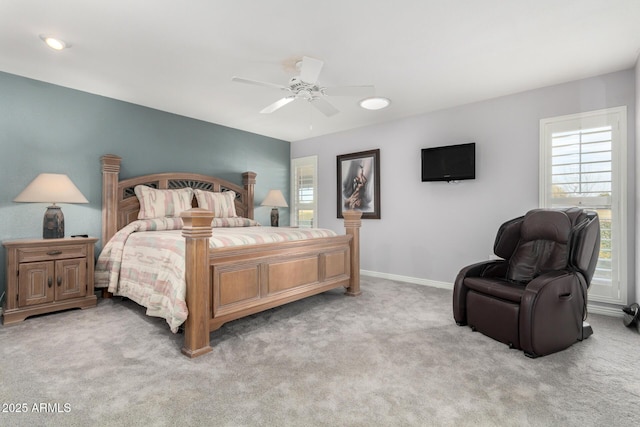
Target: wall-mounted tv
(449,163)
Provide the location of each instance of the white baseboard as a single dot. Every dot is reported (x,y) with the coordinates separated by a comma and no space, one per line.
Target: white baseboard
(606,311)
(595,309)
(407,279)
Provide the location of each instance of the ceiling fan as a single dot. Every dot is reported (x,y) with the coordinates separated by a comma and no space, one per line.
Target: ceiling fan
(305,86)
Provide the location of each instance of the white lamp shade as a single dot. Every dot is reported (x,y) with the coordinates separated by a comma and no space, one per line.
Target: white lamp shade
(275,199)
(51,188)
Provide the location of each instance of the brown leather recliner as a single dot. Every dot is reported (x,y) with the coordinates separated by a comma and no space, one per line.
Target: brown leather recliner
(535,297)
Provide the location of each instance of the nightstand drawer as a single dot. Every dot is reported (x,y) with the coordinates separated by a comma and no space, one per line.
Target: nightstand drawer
(51,253)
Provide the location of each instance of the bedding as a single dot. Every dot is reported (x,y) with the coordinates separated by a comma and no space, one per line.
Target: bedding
(234,222)
(144,261)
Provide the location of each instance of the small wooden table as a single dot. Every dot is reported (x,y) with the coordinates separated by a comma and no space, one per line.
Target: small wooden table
(45,275)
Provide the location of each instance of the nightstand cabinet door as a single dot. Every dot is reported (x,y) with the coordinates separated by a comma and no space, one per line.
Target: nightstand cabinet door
(71,278)
(35,283)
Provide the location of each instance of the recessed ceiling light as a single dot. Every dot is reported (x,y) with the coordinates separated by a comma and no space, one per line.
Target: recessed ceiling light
(54,43)
(375,103)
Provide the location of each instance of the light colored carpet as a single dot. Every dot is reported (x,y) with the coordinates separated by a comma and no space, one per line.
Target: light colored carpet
(393,356)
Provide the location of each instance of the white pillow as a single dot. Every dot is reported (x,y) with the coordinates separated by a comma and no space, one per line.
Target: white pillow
(162,203)
(221,204)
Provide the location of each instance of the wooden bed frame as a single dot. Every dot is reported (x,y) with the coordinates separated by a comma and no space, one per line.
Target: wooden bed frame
(229,283)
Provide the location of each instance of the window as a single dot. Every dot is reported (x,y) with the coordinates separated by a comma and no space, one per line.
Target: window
(304,191)
(582,160)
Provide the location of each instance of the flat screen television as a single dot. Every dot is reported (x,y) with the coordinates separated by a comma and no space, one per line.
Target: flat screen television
(449,163)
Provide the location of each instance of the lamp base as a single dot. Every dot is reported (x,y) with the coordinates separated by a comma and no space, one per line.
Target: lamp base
(53,225)
(274,217)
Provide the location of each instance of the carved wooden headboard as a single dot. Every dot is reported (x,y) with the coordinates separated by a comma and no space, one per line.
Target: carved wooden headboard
(120,205)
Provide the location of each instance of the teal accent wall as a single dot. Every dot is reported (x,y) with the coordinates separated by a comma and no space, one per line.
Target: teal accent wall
(49,128)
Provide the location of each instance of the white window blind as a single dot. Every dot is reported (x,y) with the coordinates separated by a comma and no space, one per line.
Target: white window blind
(582,165)
(304,191)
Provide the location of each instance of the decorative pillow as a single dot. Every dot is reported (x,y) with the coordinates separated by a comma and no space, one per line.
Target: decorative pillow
(162,203)
(221,204)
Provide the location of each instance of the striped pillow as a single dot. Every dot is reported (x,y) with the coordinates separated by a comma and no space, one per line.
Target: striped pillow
(162,203)
(221,204)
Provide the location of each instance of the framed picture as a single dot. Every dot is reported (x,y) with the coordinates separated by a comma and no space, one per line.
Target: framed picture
(359,183)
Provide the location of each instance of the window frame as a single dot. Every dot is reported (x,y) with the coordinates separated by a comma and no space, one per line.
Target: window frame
(616,117)
(296,163)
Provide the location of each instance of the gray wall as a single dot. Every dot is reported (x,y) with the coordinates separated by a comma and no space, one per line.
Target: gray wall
(48,128)
(428,231)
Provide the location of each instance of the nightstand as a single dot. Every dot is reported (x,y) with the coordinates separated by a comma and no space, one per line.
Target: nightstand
(45,275)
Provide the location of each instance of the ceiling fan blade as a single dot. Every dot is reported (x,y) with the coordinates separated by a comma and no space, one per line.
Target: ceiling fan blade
(277,105)
(310,70)
(360,91)
(324,106)
(258,83)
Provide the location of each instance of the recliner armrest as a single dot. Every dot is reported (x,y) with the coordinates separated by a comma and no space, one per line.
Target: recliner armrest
(551,312)
(493,268)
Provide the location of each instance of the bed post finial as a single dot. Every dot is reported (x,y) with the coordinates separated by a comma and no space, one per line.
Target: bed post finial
(352,223)
(197,231)
(110,170)
(249,182)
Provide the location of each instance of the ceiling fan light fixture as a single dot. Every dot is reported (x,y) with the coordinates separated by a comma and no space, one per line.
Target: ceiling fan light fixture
(54,43)
(305,87)
(375,103)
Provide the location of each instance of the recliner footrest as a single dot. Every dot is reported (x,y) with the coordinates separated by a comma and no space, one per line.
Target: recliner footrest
(495,318)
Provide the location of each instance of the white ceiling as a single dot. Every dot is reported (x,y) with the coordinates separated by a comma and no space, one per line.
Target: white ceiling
(425,55)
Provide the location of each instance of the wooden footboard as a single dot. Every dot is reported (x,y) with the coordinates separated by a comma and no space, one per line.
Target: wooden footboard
(229,283)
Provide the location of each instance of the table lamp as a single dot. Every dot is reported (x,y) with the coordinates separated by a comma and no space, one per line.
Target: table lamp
(52,188)
(276,200)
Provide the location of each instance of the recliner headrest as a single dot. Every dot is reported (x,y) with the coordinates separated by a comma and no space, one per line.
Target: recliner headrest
(543,245)
(544,224)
